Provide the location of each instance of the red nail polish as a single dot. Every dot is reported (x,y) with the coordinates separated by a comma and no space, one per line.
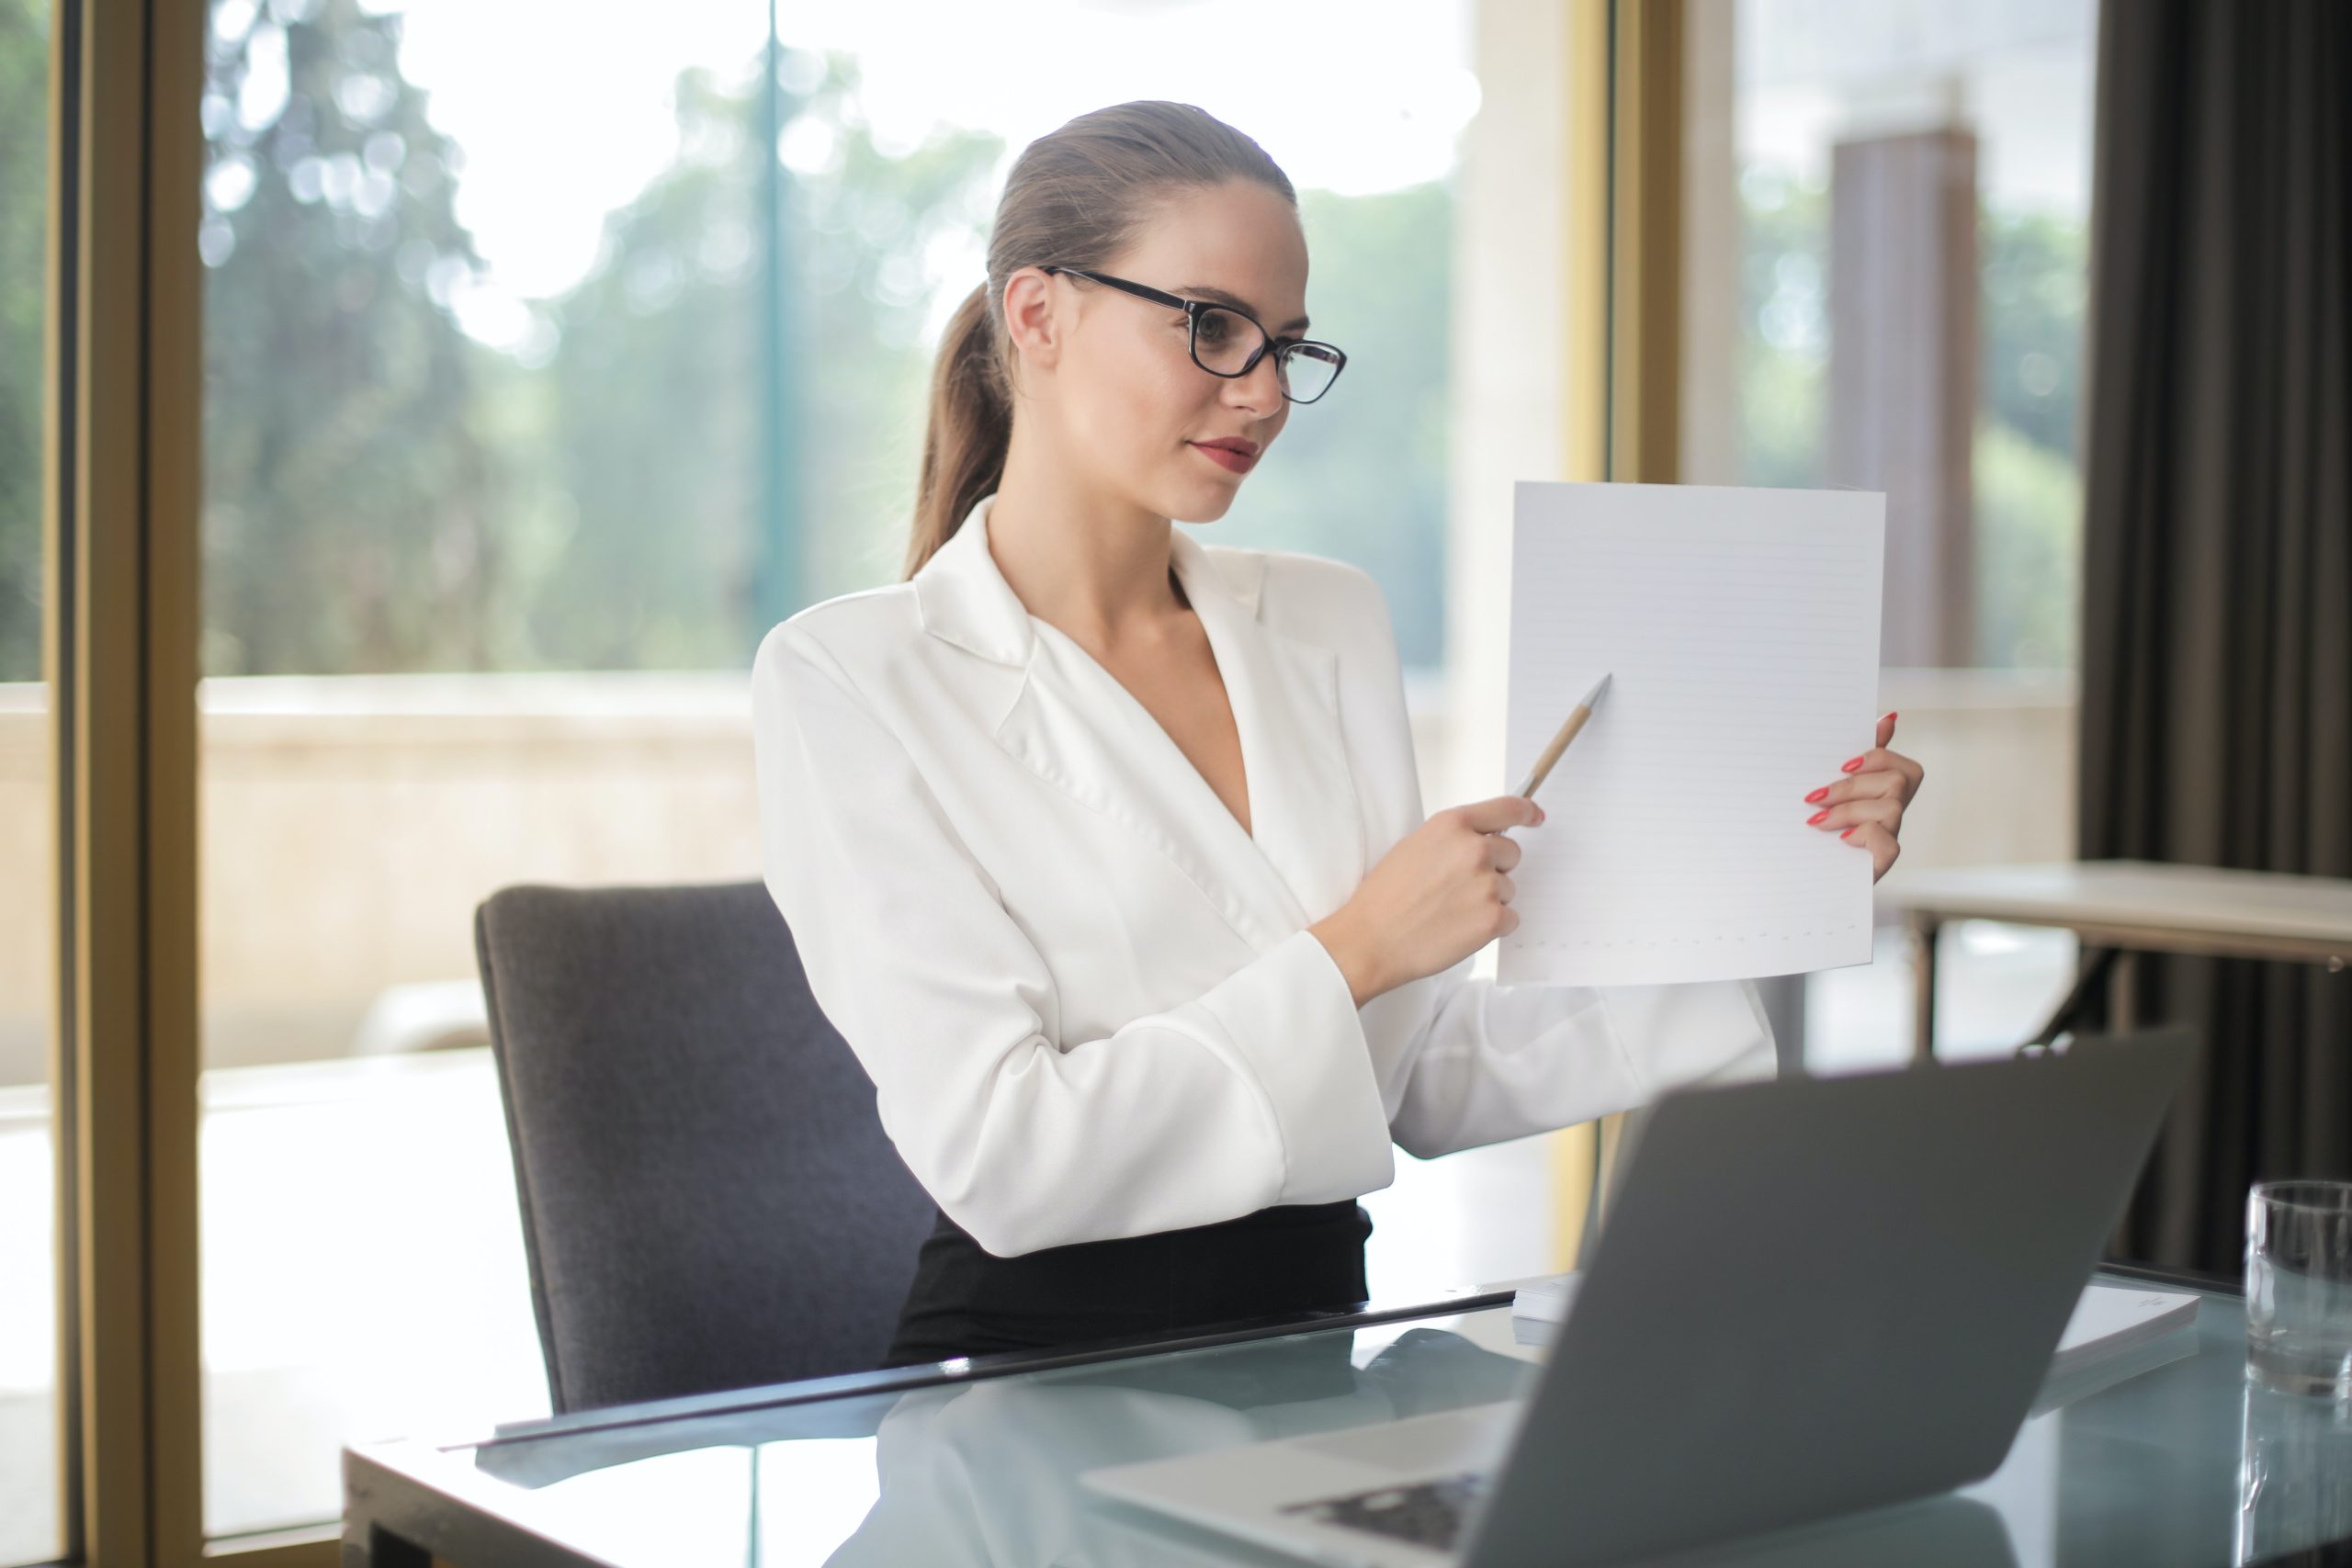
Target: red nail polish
(1816,797)
(1893,715)
(1817,817)
(1849,767)
(1848,833)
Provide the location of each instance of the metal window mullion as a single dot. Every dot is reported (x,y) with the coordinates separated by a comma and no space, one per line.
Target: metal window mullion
(1623,270)
(61,278)
(128,510)
(1646,46)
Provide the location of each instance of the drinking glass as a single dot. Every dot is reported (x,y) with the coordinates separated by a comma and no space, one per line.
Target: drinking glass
(2299,1287)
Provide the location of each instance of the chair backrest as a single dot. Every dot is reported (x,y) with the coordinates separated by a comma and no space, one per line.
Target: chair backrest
(708,1198)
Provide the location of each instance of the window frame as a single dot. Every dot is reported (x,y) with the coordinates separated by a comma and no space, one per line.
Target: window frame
(122,516)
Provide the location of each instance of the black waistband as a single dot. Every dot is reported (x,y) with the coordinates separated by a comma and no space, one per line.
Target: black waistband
(969,1302)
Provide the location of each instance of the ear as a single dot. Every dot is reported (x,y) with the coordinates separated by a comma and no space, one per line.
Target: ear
(1032,316)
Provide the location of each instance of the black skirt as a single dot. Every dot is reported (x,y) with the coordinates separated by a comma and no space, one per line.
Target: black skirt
(969,1302)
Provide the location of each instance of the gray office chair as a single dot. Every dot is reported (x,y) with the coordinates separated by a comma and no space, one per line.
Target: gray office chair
(708,1198)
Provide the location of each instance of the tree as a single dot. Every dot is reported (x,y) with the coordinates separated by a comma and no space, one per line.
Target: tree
(385,493)
(1360,474)
(2028,484)
(2036,269)
(24,233)
(2028,492)
(654,431)
(1784,331)
(348,498)
(653,428)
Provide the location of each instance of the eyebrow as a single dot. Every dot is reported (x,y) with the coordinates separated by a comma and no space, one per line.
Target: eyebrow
(1224,296)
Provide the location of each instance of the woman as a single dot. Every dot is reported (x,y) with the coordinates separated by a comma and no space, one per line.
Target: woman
(1103,847)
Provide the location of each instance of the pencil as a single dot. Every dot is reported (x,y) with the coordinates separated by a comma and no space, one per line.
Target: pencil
(1568,733)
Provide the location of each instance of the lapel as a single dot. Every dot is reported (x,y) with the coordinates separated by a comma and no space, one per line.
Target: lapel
(1076,727)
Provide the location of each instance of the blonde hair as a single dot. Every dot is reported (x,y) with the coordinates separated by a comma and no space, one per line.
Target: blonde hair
(1075,197)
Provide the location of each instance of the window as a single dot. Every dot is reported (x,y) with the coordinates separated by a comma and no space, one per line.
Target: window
(526,412)
(1885,260)
(29,1527)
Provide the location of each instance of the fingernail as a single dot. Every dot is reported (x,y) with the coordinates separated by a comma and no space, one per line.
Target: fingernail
(1892,714)
(1849,767)
(1538,817)
(1818,816)
(1848,833)
(1817,796)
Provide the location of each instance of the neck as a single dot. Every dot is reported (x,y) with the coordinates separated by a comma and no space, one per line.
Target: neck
(1096,567)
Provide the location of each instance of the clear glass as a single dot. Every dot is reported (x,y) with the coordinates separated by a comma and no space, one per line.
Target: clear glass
(2295,1474)
(1885,260)
(2299,1287)
(1308,371)
(483,526)
(525,418)
(31,1529)
(1365,476)
(2143,1464)
(1888,239)
(1224,343)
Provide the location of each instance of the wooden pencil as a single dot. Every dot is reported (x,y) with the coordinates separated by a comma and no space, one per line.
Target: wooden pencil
(1560,742)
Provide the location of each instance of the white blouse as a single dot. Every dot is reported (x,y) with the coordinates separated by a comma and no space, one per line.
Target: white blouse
(1087,995)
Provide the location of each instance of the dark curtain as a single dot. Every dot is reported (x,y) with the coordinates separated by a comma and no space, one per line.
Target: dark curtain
(2217,622)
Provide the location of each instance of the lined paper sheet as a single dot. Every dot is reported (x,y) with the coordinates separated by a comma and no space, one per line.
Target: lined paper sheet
(1742,630)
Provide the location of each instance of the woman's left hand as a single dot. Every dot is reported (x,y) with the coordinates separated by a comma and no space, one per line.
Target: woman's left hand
(1865,807)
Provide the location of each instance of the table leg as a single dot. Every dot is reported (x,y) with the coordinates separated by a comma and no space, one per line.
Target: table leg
(2122,996)
(373,1546)
(1923,986)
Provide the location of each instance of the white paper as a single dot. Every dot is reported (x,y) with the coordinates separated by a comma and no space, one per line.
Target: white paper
(2111,1319)
(1741,631)
(1547,1301)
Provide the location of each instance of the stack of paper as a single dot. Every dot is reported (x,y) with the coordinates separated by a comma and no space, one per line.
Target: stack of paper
(1547,1301)
(2109,1320)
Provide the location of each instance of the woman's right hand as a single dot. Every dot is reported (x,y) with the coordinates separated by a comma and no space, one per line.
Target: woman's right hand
(1440,895)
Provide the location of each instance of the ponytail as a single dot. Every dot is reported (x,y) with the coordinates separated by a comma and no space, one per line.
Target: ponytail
(969,430)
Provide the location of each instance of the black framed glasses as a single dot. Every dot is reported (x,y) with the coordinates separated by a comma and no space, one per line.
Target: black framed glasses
(1228,342)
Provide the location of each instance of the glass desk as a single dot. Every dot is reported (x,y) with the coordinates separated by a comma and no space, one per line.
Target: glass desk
(2166,1456)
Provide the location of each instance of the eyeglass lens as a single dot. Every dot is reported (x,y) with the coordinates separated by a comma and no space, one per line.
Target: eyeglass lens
(1222,343)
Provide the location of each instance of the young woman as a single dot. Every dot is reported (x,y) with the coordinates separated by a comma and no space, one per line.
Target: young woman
(1103,847)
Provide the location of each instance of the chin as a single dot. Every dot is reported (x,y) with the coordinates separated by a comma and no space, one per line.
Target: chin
(1204,503)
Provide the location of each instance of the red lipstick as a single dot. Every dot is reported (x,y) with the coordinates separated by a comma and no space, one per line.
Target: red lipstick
(1230,452)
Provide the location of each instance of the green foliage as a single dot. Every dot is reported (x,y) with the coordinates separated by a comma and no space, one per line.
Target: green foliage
(1360,474)
(2029,528)
(350,503)
(24,233)
(2035,271)
(1784,331)
(2036,268)
(860,232)
(650,460)
(2028,493)
(654,439)
(384,493)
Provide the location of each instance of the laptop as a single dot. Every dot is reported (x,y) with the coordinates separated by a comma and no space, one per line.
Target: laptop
(1813,1296)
